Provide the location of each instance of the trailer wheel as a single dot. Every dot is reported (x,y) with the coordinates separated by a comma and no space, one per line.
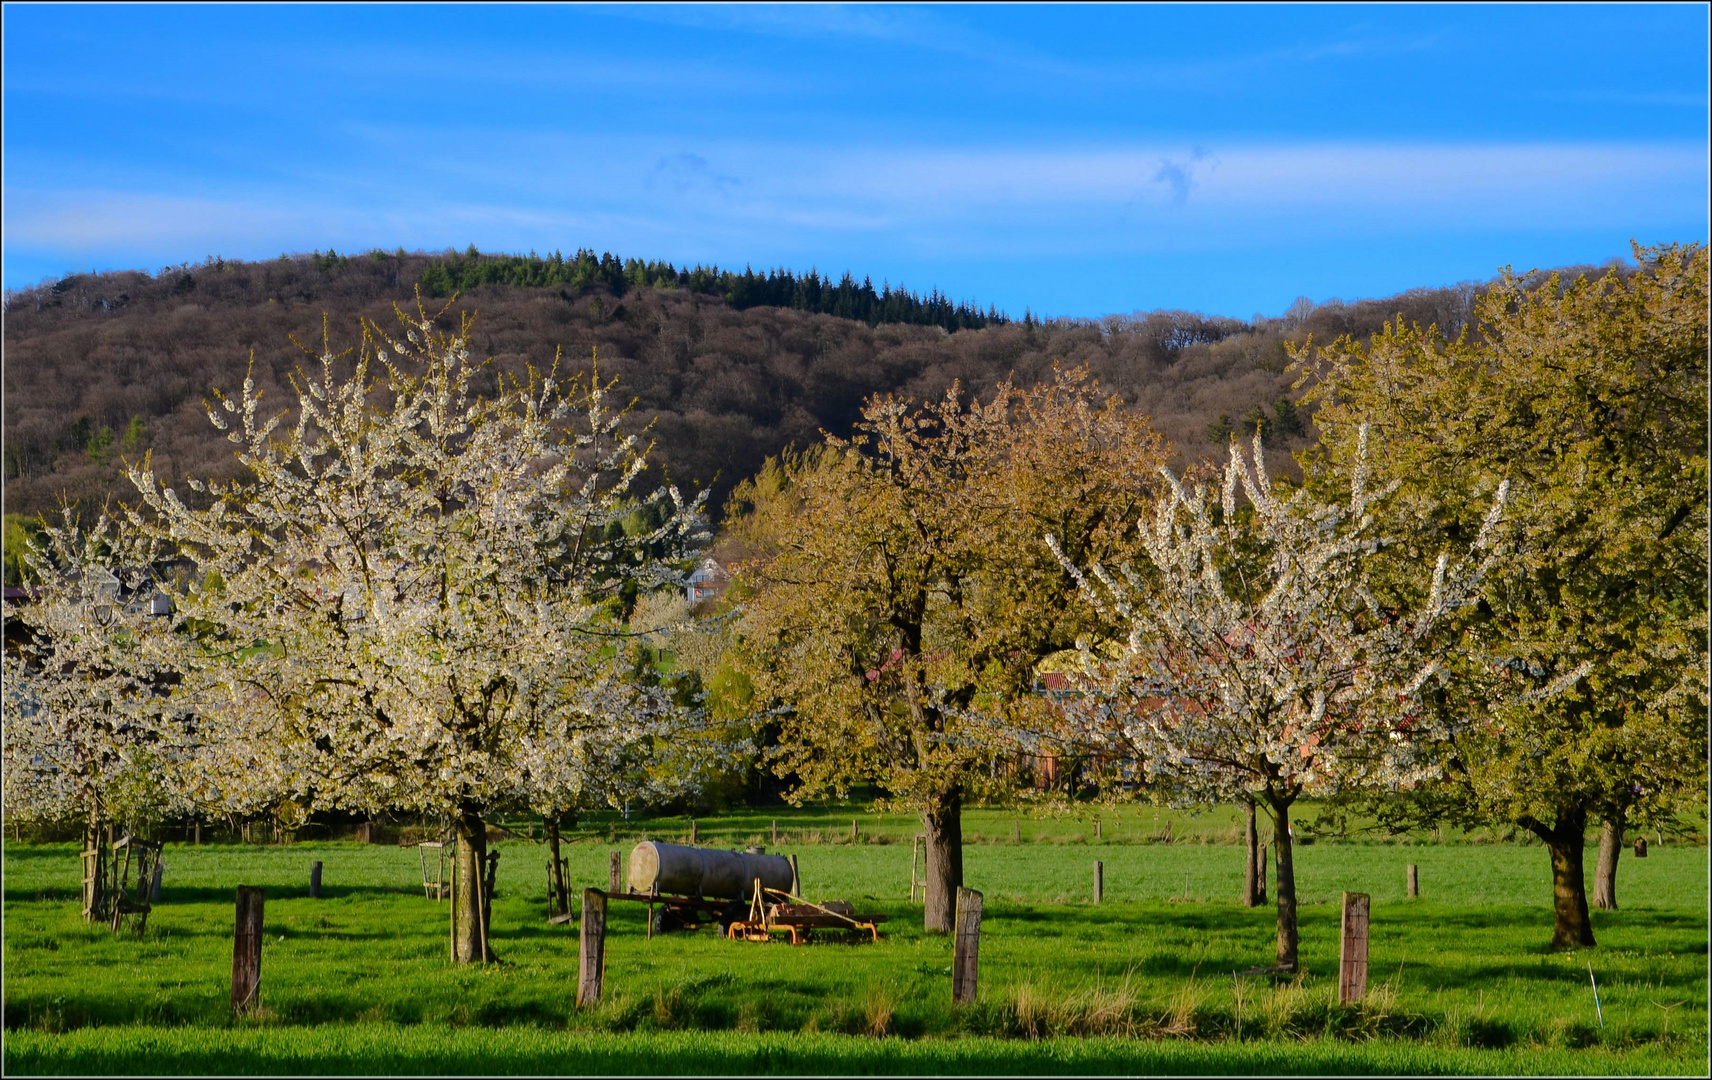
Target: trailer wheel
(727,916)
(668,919)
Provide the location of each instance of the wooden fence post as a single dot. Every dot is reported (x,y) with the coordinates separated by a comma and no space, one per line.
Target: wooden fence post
(591,949)
(1098,835)
(1099,881)
(796,879)
(853,832)
(694,836)
(1352,958)
(92,875)
(775,832)
(1016,831)
(966,946)
(247,950)
(1414,880)
(155,885)
(615,872)
(315,880)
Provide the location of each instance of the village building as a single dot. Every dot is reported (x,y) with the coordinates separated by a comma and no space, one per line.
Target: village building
(707,581)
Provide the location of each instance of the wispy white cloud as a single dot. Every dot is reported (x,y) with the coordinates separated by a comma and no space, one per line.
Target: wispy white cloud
(762,196)
(1623,97)
(938,30)
(801,21)
(1528,185)
(98,220)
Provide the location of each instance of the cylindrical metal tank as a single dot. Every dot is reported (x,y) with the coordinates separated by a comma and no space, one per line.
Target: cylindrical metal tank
(680,870)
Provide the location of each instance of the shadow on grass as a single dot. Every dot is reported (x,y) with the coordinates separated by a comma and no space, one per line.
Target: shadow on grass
(211,894)
(1510,918)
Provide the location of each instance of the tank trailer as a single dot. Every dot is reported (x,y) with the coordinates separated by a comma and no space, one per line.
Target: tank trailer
(748,895)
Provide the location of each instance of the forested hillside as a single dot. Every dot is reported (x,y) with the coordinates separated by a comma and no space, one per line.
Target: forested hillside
(729,367)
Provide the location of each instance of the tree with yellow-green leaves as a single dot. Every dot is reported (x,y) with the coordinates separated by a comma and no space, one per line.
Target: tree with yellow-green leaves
(19,531)
(1589,398)
(900,600)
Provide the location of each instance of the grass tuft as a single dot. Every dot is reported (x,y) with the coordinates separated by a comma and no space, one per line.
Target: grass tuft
(879,1005)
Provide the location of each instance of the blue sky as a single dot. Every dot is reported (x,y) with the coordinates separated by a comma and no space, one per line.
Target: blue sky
(1076,161)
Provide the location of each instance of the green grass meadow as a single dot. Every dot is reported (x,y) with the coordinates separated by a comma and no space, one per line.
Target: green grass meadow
(358,981)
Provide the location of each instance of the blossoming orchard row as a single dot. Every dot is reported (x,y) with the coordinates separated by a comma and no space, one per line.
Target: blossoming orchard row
(1483,601)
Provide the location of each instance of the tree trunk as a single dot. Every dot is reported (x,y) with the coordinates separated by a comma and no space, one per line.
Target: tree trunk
(1571,924)
(1251,891)
(1610,849)
(471,943)
(560,901)
(943,818)
(94,871)
(1260,865)
(1288,936)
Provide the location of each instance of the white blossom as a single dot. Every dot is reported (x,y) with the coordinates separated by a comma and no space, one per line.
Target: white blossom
(91,731)
(1257,660)
(411,602)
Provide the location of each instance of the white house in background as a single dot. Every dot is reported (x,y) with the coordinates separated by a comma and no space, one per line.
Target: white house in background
(104,581)
(707,581)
